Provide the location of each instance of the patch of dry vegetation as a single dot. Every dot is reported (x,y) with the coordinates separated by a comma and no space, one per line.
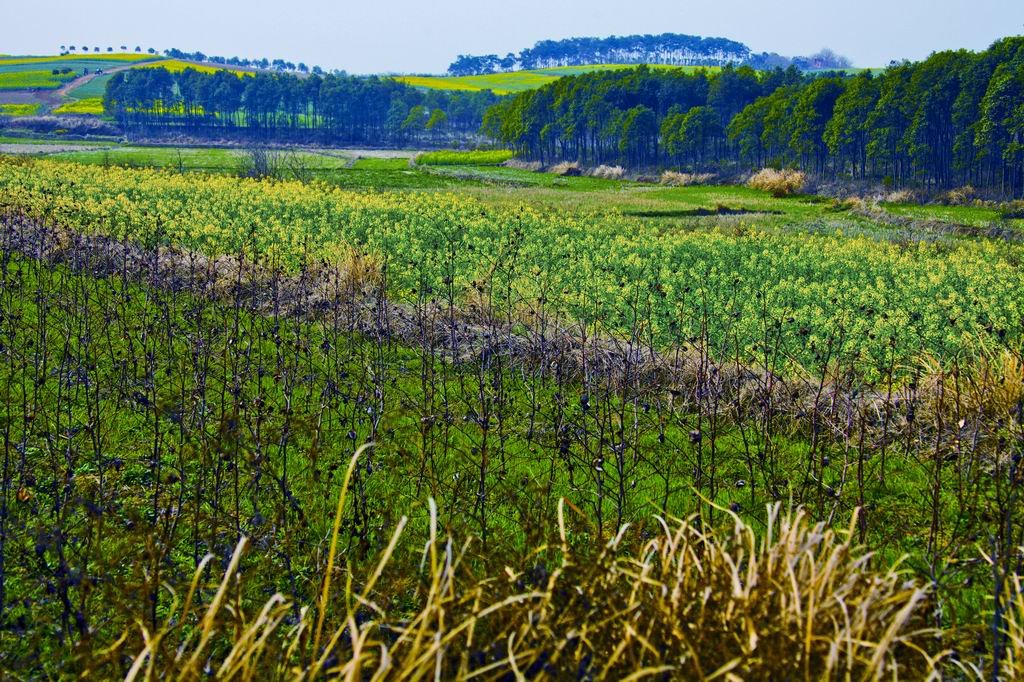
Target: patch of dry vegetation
(779,183)
(800,601)
(676,179)
(608,172)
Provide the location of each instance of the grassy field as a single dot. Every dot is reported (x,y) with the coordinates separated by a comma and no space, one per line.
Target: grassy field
(518,81)
(538,361)
(93,89)
(973,216)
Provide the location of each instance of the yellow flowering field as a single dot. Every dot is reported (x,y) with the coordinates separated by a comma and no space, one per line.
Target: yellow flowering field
(818,296)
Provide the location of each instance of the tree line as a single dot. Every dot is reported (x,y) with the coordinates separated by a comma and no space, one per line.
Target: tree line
(263,63)
(955,118)
(330,108)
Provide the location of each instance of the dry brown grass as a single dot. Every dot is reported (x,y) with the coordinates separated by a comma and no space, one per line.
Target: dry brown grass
(676,179)
(903,196)
(608,172)
(797,601)
(519,164)
(568,168)
(958,196)
(991,385)
(780,183)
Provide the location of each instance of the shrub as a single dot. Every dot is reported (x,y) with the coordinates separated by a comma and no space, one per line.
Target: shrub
(517,164)
(675,179)
(608,172)
(904,196)
(567,168)
(1012,211)
(780,183)
(960,196)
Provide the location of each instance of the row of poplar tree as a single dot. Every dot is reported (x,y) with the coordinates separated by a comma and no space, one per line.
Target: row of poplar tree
(336,108)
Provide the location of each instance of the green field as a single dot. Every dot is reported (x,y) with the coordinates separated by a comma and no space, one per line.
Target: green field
(95,88)
(971,216)
(519,81)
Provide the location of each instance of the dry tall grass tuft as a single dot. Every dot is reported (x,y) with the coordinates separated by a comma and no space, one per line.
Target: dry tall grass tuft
(992,385)
(903,196)
(519,164)
(780,183)
(568,168)
(797,602)
(958,196)
(608,172)
(676,179)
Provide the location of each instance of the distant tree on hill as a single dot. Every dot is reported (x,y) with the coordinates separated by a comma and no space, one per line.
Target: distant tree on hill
(72,48)
(138,48)
(62,48)
(110,49)
(151,51)
(668,48)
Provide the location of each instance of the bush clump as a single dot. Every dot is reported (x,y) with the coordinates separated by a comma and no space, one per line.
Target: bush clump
(519,164)
(676,179)
(608,172)
(779,183)
(566,168)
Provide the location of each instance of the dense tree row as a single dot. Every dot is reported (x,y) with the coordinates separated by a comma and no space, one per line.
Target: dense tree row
(626,116)
(955,118)
(668,48)
(330,108)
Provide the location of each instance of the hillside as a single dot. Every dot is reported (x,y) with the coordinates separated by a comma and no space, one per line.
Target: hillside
(74,83)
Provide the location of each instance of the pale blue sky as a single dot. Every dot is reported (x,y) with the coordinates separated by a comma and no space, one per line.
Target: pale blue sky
(425,35)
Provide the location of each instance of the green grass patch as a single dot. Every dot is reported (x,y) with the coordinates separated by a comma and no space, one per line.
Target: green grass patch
(95,88)
(14,139)
(973,216)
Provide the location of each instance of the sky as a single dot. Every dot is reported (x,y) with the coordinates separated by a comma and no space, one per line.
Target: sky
(424,36)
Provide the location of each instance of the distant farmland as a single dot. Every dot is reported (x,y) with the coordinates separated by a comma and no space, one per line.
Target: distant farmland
(519,81)
(29,80)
